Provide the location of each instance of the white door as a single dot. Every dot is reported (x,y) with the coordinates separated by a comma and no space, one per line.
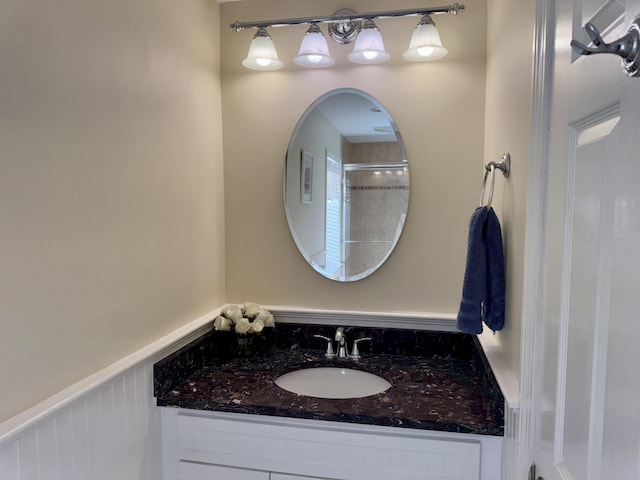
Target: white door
(588,419)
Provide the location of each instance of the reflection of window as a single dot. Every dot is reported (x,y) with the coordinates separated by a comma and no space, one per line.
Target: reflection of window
(333,241)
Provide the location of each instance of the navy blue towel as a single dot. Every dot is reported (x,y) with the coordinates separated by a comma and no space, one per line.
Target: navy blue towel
(494,301)
(474,287)
(483,289)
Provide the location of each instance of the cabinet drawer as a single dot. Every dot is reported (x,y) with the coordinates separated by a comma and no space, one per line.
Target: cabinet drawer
(199,471)
(325,453)
(281,476)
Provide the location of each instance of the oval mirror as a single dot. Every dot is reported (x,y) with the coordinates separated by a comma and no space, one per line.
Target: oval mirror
(346,185)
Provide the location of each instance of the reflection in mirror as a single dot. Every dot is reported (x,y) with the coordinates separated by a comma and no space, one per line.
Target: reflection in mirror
(346,185)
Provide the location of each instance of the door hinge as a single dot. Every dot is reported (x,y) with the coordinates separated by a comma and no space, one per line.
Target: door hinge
(532,473)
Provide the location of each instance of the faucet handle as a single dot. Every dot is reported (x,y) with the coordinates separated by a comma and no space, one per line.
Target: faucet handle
(355,353)
(341,338)
(329,353)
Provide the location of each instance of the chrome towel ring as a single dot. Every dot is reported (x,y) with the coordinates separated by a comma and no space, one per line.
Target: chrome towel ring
(490,168)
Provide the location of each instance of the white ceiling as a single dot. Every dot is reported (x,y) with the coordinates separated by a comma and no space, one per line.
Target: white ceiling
(357,119)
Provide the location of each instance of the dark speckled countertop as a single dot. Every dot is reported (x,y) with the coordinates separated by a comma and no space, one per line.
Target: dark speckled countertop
(440,381)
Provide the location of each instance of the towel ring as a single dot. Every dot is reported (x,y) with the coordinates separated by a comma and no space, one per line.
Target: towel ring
(491,169)
(504,166)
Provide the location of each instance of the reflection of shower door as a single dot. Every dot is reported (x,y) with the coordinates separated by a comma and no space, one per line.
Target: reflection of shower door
(375,200)
(333,213)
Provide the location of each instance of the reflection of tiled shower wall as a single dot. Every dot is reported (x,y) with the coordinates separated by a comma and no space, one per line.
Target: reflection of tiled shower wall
(377,152)
(376,200)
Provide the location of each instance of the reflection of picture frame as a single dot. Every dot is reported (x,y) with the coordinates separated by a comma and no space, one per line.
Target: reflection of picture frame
(306,176)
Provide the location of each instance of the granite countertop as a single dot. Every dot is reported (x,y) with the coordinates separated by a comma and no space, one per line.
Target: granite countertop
(440,381)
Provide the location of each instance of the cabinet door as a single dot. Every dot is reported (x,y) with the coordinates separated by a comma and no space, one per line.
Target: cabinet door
(200,471)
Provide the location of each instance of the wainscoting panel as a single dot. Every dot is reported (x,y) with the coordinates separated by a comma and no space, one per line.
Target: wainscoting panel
(112,433)
(511,444)
(9,462)
(105,427)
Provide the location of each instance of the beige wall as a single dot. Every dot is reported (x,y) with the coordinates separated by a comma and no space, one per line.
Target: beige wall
(439,109)
(113,205)
(508,125)
(111,195)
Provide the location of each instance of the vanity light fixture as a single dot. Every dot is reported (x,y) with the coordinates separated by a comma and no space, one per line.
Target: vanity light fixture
(262,53)
(369,47)
(314,51)
(346,26)
(425,42)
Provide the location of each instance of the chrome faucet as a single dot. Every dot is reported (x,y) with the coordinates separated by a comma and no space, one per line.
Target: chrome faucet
(342,352)
(342,342)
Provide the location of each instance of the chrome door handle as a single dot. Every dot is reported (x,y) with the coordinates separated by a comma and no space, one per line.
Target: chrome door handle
(627,47)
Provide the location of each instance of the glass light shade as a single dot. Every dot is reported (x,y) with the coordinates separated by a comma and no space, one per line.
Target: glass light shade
(369,47)
(425,43)
(314,51)
(262,53)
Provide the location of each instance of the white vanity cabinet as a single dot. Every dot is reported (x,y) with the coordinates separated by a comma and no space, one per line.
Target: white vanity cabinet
(199,445)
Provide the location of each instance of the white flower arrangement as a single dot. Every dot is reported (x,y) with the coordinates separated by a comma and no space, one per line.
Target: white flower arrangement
(248,318)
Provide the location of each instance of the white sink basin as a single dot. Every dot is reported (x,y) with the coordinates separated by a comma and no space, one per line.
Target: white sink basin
(332,382)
